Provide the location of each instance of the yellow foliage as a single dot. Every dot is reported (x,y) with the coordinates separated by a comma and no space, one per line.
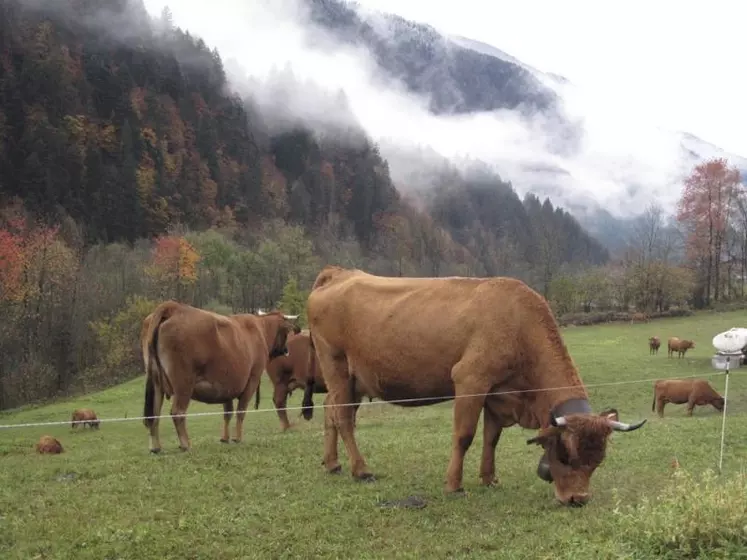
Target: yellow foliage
(188,259)
(108,138)
(150,137)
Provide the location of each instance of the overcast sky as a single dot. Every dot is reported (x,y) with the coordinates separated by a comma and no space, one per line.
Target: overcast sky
(681,63)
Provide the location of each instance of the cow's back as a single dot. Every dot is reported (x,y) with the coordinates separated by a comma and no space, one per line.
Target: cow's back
(398,325)
(676,390)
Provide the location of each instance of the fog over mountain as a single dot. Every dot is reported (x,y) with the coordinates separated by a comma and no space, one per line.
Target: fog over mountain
(426,97)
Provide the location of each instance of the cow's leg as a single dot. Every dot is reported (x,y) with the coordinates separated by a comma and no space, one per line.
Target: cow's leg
(330,460)
(340,395)
(690,406)
(178,410)
(660,403)
(491,434)
(254,380)
(280,400)
(227,415)
(467,411)
(155,439)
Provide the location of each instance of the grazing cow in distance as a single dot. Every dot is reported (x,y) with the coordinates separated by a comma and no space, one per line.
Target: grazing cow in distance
(653,345)
(192,353)
(85,416)
(421,341)
(639,317)
(675,344)
(694,392)
(49,444)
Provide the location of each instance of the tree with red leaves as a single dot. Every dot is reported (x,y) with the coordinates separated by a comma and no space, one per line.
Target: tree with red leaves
(705,208)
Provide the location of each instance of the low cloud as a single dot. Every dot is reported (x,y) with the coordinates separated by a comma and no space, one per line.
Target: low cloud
(620,162)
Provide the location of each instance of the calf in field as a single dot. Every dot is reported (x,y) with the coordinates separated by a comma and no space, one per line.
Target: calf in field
(653,345)
(83,417)
(48,444)
(674,344)
(680,391)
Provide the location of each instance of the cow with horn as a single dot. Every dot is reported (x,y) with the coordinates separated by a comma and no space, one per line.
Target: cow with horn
(191,353)
(419,341)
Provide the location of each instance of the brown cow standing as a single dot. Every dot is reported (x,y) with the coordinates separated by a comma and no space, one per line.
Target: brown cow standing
(294,370)
(85,416)
(653,345)
(195,354)
(429,340)
(694,392)
(674,344)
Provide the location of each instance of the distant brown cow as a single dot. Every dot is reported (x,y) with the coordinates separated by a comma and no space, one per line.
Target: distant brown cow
(83,417)
(675,344)
(694,392)
(48,444)
(191,353)
(639,317)
(295,370)
(653,345)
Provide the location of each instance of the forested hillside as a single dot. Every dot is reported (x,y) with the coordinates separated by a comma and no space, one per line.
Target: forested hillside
(129,173)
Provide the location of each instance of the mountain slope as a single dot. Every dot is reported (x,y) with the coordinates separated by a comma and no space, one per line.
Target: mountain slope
(463,76)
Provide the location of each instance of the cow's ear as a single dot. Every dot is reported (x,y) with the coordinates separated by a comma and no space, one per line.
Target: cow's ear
(543,436)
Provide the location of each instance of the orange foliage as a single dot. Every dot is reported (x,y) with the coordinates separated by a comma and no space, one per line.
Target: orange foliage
(21,246)
(176,259)
(328,170)
(706,204)
(274,184)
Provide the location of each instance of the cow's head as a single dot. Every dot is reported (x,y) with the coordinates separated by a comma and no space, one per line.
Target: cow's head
(279,345)
(575,446)
(718,403)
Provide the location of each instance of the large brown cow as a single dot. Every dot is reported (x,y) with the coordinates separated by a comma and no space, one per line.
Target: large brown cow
(195,354)
(654,343)
(419,341)
(694,392)
(297,369)
(674,344)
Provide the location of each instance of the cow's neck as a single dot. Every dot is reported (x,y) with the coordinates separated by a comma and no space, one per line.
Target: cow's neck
(562,392)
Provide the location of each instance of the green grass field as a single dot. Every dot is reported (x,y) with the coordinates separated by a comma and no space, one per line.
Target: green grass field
(268,497)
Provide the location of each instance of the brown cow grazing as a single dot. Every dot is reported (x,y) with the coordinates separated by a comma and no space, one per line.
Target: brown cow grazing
(85,417)
(639,317)
(694,392)
(48,444)
(195,354)
(653,345)
(420,341)
(674,344)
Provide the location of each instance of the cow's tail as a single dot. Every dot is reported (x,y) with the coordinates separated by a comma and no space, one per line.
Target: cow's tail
(307,406)
(154,369)
(256,397)
(653,404)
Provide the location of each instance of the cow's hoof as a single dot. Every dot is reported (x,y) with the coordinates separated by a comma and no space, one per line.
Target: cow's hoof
(156,451)
(490,482)
(223,440)
(455,491)
(335,470)
(184,449)
(365,477)
(236,440)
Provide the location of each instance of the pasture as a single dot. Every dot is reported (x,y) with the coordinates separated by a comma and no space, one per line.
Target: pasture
(268,497)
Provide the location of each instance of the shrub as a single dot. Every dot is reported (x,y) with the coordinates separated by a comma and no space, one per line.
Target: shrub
(703,517)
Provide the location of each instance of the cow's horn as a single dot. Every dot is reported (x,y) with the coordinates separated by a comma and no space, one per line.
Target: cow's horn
(623,427)
(291,317)
(260,312)
(559,421)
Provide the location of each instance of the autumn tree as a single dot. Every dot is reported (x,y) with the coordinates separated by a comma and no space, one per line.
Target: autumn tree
(704,210)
